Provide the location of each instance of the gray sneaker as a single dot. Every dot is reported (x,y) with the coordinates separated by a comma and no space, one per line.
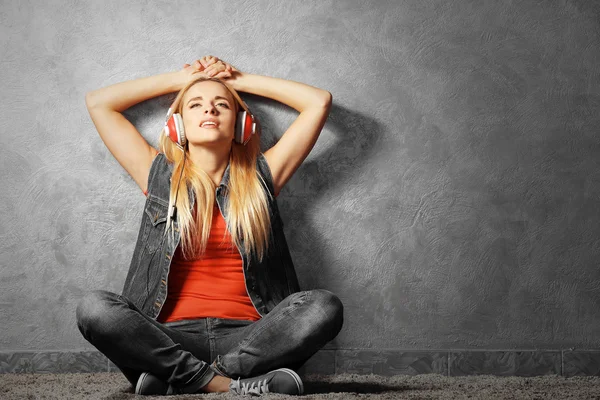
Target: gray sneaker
(149,384)
(282,380)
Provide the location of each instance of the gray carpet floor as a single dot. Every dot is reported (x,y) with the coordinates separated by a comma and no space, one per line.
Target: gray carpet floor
(113,386)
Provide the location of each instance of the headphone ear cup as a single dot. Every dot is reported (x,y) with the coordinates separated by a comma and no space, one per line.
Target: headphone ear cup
(175,131)
(245,127)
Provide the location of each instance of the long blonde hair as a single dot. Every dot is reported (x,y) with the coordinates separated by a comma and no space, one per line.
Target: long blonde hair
(247,207)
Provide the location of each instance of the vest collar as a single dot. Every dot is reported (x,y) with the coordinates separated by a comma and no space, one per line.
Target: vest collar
(225,178)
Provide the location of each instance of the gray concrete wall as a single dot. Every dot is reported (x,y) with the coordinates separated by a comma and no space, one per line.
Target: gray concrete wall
(451,200)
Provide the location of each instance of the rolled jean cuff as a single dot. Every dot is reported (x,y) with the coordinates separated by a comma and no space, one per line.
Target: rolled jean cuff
(216,369)
(196,384)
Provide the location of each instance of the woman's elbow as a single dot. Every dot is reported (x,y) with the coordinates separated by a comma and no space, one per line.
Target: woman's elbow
(327,98)
(89,99)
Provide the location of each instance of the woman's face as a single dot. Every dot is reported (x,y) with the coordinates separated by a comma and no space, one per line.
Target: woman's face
(208,100)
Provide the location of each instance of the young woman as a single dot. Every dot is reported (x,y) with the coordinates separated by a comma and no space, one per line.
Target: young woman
(211,302)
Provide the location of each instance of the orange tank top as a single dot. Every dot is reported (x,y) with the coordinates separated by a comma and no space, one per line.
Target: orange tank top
(213,286)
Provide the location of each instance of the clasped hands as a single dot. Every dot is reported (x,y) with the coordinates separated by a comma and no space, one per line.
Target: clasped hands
(211,67)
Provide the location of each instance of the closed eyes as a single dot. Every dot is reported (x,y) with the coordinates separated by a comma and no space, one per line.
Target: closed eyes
(197,104)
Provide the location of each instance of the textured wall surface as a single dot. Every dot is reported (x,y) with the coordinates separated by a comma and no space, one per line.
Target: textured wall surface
(451,200)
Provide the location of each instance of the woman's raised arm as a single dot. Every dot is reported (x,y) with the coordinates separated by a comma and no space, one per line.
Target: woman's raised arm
(298,140)
(123,140)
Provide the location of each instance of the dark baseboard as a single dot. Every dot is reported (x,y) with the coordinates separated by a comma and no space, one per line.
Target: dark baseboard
(386,362)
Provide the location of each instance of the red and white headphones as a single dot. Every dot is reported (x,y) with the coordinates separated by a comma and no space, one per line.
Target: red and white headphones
(246,125)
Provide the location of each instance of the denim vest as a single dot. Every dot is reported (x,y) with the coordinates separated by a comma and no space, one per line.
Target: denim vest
(267,282)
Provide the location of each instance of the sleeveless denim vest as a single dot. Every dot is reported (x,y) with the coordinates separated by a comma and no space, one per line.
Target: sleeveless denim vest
(267,282)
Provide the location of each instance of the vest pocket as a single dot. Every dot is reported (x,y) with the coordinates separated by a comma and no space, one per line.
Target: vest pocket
(156,213)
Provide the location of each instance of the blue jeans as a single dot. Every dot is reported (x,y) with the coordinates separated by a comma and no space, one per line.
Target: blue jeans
(188,353)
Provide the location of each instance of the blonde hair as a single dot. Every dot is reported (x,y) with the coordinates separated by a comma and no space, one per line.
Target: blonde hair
(247,207)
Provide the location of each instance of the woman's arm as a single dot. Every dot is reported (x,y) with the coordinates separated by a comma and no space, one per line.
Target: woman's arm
(120,96)
(119,135)
(297,95)
(293,147)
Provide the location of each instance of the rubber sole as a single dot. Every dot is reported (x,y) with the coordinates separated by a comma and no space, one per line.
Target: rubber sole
(140,381)
(296,378)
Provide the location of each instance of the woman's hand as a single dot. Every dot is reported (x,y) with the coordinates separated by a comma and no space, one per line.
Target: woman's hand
(213,67)
(197,69)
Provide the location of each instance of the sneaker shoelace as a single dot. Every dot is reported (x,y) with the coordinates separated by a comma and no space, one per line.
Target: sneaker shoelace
(252,388)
